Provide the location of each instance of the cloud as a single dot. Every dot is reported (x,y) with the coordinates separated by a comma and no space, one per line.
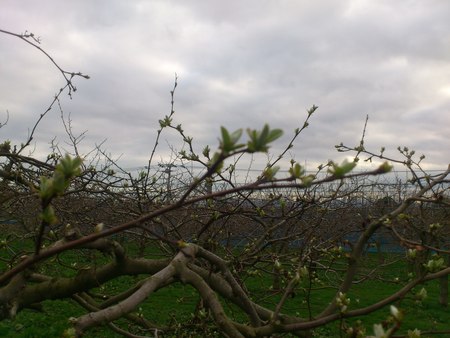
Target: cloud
(238,66)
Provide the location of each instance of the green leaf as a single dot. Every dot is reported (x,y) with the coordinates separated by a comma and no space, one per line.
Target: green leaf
(69,167)
(48,215)
(66,169)
(307,180)
(236,136)
(264,133)
(273,135)
(206,151)
(216,161)
(60,184)
(166,122)
(259,140)
(296,171)
(312,110)
(270,172)
(228,142)
(252,145)
(385,167)
(46,188)
(344,168)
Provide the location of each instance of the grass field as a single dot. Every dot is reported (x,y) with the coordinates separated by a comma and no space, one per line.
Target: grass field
(177,303)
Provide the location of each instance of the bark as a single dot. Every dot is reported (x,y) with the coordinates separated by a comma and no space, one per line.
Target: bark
(210,299)
(58,288)
(114,312)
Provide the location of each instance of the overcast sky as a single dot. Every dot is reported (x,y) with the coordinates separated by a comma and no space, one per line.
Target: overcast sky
(240,64)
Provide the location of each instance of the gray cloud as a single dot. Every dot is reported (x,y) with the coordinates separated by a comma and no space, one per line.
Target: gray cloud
(239,66)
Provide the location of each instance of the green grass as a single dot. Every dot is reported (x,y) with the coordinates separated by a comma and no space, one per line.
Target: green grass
(177,303)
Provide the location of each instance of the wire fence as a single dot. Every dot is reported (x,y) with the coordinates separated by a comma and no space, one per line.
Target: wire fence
(395,185)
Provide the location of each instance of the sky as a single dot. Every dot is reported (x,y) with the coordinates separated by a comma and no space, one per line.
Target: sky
(240,64)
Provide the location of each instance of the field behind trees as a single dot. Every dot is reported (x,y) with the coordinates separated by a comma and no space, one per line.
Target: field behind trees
(332,226)
(89,248)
